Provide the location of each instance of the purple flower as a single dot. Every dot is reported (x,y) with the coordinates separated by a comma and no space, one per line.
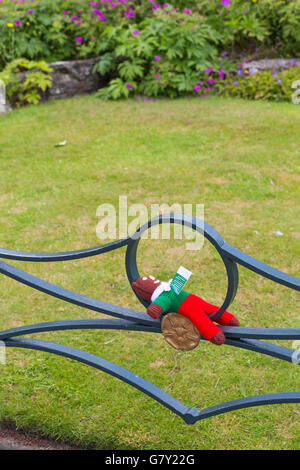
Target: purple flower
(157,57)
(221,73)
(187,11)
(77,22)
(30,12)
(197,88)
(135,32)
(165,5)
(94,37)
(200,82)
(279,81)
(245,11)
(73,18)
(97,12)
(210,69)
(93,4)
(18,23)
(129,14)
(157,75)
(235,83)
(210,82)
(225,3)
(78,40)
(65,12)
(128,86)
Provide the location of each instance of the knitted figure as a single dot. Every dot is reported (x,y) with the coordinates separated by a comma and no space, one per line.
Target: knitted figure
(164,300)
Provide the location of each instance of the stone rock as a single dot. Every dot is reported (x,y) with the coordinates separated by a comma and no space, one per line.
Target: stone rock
(256,66)
(70,78)
(3,105)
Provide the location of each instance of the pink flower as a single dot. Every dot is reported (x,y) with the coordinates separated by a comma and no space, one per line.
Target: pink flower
(187,11)
(30,12)
(94,37)
(157,57)
(77,22)
(225,3)
(157,75)
(245,11)
(128,86)
(78,40)
(135,32)
(101,17)
(65,12)
(73,18)
(18,23)
(210,82)
(197,88)
(210,69)
(93,4)
(200,82)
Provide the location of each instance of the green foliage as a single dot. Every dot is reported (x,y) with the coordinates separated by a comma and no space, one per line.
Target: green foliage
(165,58)
(188,35)
(25,88)
(267,85)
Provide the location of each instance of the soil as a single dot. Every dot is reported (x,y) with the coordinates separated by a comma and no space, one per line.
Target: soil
(16,440)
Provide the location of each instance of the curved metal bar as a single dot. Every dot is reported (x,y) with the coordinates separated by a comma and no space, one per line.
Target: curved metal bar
(116,324)
(248,402)
(201,227)
(189,415)
(73,297)
(279,352)
(62,256)
(261,268)
(99,323)
(102,364)
(261,333)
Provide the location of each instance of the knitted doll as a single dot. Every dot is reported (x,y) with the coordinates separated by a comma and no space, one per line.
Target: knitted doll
(164,300)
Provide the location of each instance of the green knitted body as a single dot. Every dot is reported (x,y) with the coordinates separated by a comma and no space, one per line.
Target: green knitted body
(169,301)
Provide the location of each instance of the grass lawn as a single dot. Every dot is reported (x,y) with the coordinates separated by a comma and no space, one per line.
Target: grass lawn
(241,160)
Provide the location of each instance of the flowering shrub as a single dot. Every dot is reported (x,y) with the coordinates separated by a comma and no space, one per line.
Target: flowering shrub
(165,56)
(54,30)
(151,48)
(268,85)
(26,88)
(69,29)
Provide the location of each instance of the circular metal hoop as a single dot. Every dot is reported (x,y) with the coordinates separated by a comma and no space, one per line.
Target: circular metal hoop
(200,226)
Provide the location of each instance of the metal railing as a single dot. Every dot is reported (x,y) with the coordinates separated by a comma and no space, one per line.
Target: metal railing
(131,320)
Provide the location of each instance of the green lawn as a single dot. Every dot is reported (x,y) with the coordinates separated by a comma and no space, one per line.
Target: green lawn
(239,159)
